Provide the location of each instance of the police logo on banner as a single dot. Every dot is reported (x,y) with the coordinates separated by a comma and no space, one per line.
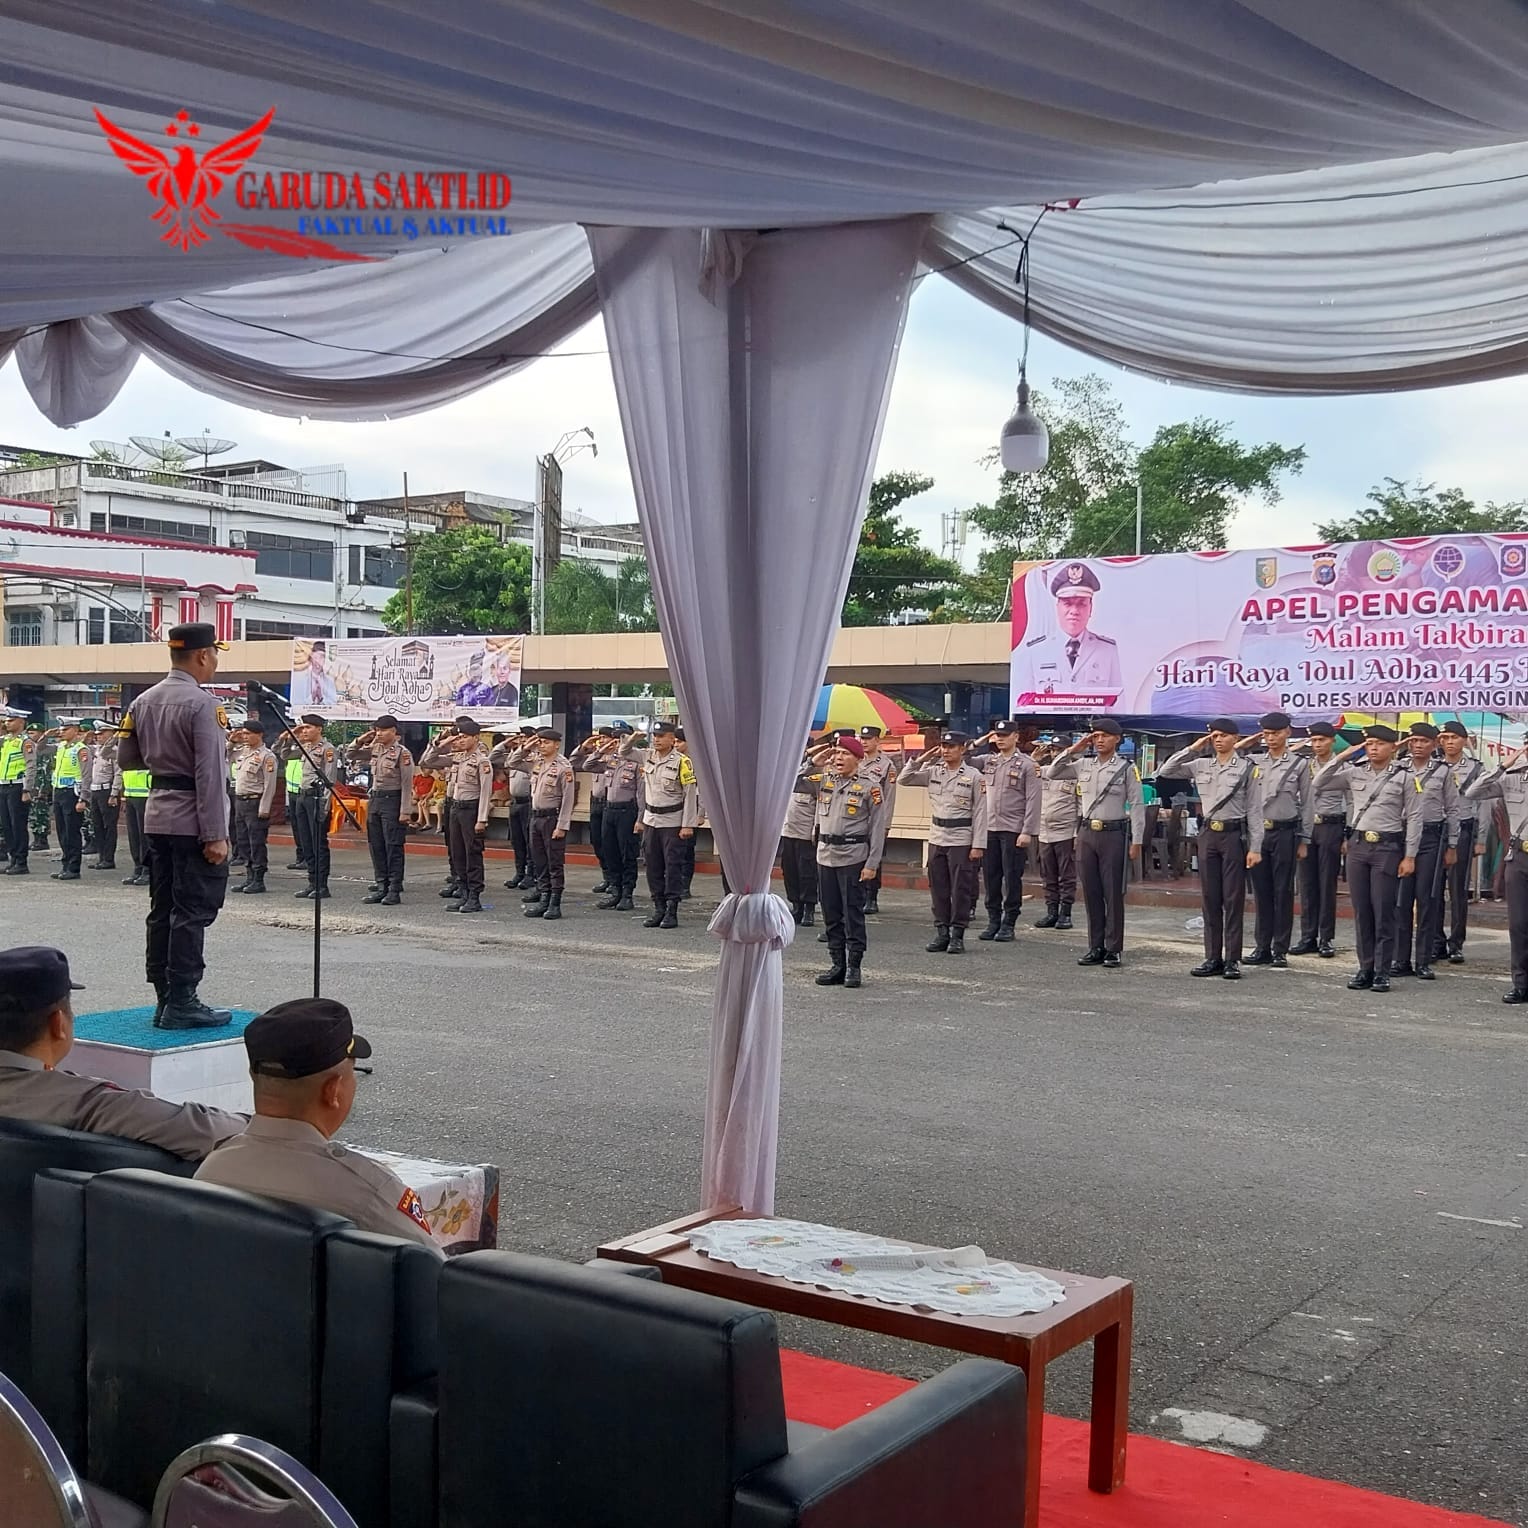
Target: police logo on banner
(1267,572)
(1323,568)
(1514,560)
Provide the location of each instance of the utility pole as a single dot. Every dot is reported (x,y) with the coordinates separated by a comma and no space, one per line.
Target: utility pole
(1137,517)
(408,562)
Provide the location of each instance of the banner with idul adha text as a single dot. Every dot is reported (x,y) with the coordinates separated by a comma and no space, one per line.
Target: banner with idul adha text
(416,679)
(1436,623)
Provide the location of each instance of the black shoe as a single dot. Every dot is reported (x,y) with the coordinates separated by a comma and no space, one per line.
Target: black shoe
(472,903)
(1426,974)
(517,883)
(1258,958)
(1360,981)
(808,915)
(614,900)
(1279,963)
(835,976)
(994,923)
(452,890)
(670,917)
(104,865)
(852,972)
(374,895)
(297,865)
(822,938)
(66,875)
(256,887)
(307,891)
(1092,958)
(957,944)
(1305,947)
(1439,955)
(1209,968)
(626,905)
(183,1009)
(1403,968)
(1065,920)
(1112,962)
(873,903)
(538,908)
(940,942)
(1232,972)
(319,893)
(1050,919)
(1517,995)
(1326,951)
(127,880)
(553,908)
(684,896)
(1004,933)
(390,897)
(1456,957)
(600,890)
(1381,984)
(17,869)
(533,895)
(374,886)
(655,918)
(795,908)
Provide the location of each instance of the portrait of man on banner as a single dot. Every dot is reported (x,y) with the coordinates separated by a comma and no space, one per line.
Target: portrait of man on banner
(1073,657)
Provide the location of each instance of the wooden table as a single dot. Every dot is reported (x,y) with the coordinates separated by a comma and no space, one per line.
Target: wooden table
(1096,1309)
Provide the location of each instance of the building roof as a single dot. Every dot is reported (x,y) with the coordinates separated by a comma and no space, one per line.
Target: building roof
(119,536)
(105,576)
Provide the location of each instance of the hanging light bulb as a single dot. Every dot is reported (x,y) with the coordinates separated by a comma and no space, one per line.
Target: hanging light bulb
(1024,444)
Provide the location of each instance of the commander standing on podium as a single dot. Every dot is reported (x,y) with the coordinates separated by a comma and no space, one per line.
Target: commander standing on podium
(175,730)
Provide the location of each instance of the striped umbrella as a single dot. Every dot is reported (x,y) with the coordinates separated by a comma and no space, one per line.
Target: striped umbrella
(849,705)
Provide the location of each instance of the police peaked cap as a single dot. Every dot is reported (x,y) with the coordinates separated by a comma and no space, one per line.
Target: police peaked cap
(193,635)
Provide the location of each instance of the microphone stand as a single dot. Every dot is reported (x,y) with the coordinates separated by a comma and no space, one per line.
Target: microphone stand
(278,703)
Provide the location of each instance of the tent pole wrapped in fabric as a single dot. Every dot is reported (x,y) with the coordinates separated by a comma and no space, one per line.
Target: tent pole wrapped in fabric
(752,409)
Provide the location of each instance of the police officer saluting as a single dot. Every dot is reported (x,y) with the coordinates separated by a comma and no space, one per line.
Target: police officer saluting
(1508,782)
(1454,740)
(254,794)
(1279,829)
(957,798)
(103,805)
(1422,893)
(1058,845)
(1385,818)
(461,757)
(389,798)
(669,803)
(1013,819)
(1224,783)
(878,768)
(175,730)
(553,790)
(620,768)
(1323,857)
(320,763)
(1112,807)
(18,767)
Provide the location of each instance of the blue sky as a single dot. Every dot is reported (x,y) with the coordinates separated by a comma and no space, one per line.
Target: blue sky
(954,388)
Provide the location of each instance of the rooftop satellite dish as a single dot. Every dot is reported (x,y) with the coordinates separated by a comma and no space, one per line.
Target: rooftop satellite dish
(161,449)
(205,445)
(116,451)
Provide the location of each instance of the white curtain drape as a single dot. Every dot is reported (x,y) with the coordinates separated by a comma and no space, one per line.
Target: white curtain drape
(751,417)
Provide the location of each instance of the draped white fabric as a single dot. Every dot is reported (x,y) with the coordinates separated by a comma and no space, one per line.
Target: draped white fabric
(751,419)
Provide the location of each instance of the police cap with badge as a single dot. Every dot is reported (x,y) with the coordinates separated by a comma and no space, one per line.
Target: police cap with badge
(1075,578)
(303,1037)
(192,635)
(34,977)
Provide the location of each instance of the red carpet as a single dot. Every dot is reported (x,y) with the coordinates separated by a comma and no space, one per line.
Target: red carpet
(1167,1485)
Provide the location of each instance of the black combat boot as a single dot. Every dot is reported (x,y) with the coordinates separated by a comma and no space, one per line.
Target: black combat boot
(994,923)
(655,918)
(625,905)
(1065,920)
(671,914)
(852,971)
(535,894)
(836,974)
(374,895)
(452,890)
(1052,916)
(1005,929)
(471,903)
(538,908)
(161,991)
(183,1009)
(808,914)
(957,944)
(941,940)
(796,913)
(873,901)
(392,896)
(613,900)
(553,907)
(255,885)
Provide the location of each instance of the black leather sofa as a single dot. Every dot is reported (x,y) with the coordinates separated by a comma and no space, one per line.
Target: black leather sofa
(566,1396)
(25,1150)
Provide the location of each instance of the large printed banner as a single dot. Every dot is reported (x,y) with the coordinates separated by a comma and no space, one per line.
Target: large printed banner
(416,679)
(1436,623)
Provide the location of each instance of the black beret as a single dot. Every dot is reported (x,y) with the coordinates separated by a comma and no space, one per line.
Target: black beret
(461,722)
(193,635)
(1110,726)
(548,735)
(1456,729)
(253,723)
(1075,578)
(32,976)
(312,719)
(679,735)
(302,1038)
(468,726)
(387,721)
(1224,724)
(1380,733)
(1321,729)
(1275,721)
(1424,729)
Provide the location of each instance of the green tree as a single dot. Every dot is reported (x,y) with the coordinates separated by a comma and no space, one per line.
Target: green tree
(893,570)
(579,598)
(1396,508)
(465,580)
(1193,475)
(33,459)
(634,596)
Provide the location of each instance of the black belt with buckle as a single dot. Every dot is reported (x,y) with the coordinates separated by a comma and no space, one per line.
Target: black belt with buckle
(1279,824)
(1227,825)
(545,811)
(1107,824)
(952,822)
(838,839)
(1322,818)
(172,782)
(1384,840)
(676,807)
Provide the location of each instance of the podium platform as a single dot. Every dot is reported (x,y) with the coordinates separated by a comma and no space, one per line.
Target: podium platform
(204,1066)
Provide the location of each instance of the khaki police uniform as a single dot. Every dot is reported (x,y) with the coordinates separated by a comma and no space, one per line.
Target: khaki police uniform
(1112,810)
(1279,813)
(43,1096)
(290,1160)
(1322,865)
(103,810)
(1510,785)
(1224,790)
(1013,811)
(519,804)
(1058,850)
(668,799)
(584,760)
(1456,877)
(798,851)
(553,791)
(1385,827)
(254,794)
(620,773)
(1420,896)
(389,800)
(469,789)
(957,801)
(881,772)
(851,836)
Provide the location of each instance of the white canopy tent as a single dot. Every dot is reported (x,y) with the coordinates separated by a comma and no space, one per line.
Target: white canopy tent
(1355,172)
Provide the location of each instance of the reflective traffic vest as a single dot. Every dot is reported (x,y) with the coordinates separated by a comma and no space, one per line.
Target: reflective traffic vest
(135,782)
(294,776)
(13,760)
(66,765)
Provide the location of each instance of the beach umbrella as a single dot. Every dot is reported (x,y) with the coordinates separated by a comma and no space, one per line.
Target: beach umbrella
(849,705)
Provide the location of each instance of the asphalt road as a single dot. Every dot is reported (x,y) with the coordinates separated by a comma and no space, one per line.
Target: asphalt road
(1319,1195)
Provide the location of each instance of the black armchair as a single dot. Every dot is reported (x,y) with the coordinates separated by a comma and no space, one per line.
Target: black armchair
(627,1402)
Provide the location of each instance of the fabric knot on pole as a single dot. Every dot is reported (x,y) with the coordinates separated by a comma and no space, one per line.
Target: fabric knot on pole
(756,917)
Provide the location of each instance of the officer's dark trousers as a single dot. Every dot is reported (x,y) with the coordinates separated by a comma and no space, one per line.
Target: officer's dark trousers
(302,831)
(1003,870)
(1517,915)
(1223,892)
(1273,884)
(1419,901)
(597,836)
(69,825)
(520,835)
(384,836)
(663,853)
(549,856)
(103,824)
(798,864)
(843,906)
(250,832)
(1456,883)
(623,846)
(313,813)
(137,838)
(1101,860)
(466,847)
(1058,865)
(232,802)
(686,863)
(13,821)
(952,879)
(1318,882)
(1372,891)
(185,893)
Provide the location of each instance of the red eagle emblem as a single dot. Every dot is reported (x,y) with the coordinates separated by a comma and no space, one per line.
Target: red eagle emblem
(183,182)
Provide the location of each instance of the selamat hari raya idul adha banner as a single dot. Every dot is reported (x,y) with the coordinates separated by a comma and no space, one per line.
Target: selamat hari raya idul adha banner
(416,679)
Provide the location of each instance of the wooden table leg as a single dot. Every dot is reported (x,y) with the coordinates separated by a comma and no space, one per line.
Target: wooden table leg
(1034,1431)
(1111,1401)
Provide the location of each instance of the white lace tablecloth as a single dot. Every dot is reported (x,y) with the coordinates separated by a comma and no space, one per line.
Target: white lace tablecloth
(961,1282)
(460,1199)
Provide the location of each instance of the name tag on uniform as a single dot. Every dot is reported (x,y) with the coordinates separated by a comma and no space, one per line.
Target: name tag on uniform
(1370,837)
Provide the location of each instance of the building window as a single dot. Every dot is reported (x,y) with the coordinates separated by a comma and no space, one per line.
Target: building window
(255,631)
(139,525)
(363,632)
(95,625)
(291,556)
(383,566)
(128,626)
(25,628)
